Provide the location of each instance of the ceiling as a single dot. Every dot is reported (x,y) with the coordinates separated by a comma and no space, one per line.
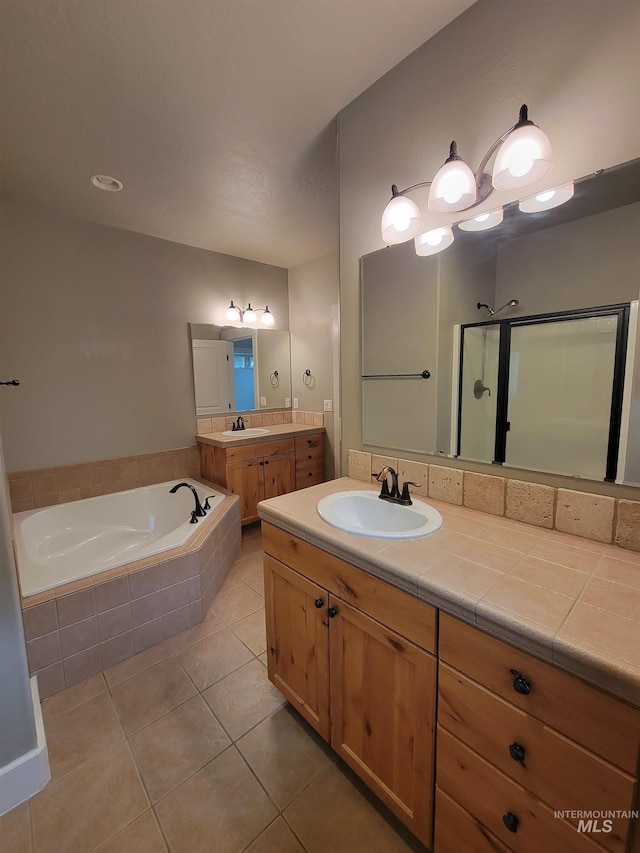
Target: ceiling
(217,115)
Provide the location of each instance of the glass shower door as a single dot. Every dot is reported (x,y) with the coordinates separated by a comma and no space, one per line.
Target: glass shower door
(478,397)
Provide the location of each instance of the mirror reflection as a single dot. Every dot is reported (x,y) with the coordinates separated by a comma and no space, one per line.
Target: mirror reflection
(239,369)
(434,312)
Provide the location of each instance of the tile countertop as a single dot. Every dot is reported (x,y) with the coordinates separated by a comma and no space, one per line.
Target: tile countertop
(274,431)
(570,601)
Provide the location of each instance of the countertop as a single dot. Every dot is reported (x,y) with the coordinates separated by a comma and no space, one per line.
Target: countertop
(274,431)
(570,601)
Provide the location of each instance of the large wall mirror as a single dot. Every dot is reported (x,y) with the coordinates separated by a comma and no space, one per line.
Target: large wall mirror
(239,370)
(542,311)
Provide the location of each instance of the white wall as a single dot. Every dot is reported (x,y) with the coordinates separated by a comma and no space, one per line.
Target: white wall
(574,63)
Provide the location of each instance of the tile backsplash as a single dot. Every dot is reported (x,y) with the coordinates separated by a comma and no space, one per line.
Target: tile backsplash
(260,419)
(597,517)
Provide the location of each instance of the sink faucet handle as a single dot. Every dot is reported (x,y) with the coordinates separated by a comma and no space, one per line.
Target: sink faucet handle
(406,496)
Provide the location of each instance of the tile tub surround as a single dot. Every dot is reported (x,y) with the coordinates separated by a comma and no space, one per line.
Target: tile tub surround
(603,519)
(48,486)
(84,627)
(568,600)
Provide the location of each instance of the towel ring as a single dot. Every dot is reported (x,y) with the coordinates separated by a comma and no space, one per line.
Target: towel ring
(308,379)
(273,379)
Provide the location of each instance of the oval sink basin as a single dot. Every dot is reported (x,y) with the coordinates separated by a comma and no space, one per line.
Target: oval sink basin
(365,514)
(245,433)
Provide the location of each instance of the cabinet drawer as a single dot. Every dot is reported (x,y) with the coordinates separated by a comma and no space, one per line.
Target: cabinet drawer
(399,610)
(558,771)
(303,442)
(457,830)
(309,456)
(607,726)
(309,476)
(262,448)
(489,796)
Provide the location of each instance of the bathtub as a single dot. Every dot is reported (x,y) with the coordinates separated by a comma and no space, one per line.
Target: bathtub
(67,542)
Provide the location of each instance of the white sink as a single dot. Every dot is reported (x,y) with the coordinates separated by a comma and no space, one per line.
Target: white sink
(364,513)
(245,433)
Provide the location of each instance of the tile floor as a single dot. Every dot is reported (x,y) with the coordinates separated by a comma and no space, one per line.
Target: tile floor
(188,748)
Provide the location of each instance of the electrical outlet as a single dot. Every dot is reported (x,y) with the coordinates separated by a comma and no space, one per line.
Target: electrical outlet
(287,402)
(263,401)
(295,402)
(328,405)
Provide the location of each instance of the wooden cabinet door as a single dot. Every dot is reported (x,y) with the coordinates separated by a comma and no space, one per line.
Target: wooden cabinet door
(279,475)
(383,713)
(245,479)
(298,642)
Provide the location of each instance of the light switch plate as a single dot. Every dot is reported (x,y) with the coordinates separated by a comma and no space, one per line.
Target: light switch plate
(263,401)
(328,405)
(287,402)
(295,402)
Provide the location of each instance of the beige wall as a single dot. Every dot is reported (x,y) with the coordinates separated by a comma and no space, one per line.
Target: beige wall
(575,64)
(93,321)
(313,293)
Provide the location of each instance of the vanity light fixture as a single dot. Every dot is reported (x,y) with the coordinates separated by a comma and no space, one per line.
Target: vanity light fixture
(483,221)
(523,157)
(547,199)
(250,315)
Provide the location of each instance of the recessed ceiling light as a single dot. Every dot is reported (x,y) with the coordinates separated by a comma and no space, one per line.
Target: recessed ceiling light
(106,182)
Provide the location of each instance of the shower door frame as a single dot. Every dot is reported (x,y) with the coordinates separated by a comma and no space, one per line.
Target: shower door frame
(502,426)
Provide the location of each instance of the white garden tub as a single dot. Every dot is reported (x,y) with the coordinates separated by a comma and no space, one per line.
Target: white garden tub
(66,542)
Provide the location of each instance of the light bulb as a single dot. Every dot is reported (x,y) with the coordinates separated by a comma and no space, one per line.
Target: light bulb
(453,188)
(250,315)
(401,220)
(524,157)
(547,199)
(547,196)
(433,241)
(483,221)
(267,318)
(232,313)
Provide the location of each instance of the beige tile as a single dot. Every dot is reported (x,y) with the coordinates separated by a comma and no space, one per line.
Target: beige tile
(356,826)
(237,603)
(209,660)
(532,503)
(138,663)
(151,693)
(120,800)
(82,665)
(416,472)
(39,598)
(587,515)
(243,699)
(360,465)
(45,484)
(277,838)
(622,554)
(263,659)
(82,733)
(378,462)
(514,539)
(73,696)
(565,555)
(21,489)
(141,836)
(452,571)
(209,625)
(551,576)
(15,830)
(493,556)
(285,754)
(221,808)
(603,631)
(174,747)
(627,531)
(525,600)
(251,630)
(484,492)
(445,484)
(612,597)
(618,571)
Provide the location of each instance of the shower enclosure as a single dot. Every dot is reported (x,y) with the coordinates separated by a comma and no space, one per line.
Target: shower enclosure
(545,392)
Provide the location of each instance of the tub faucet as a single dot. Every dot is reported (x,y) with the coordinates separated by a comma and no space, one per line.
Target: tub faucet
(394,495)
(199,511)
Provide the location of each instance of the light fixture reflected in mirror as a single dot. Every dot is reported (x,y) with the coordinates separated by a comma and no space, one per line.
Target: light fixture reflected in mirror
(523,157)
(233,314)
(483,221)
(548,199)
(434,241)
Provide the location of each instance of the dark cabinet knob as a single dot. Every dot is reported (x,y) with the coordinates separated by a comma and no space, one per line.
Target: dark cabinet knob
(510,821)
(266,461)
(319,602)
(520,683)
(332,611)
(516,751)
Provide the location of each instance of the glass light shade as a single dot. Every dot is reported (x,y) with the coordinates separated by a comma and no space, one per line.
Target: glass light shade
(453,188)
(547,199)
(267,318)
(523,158)
(232,313)
(401,220)
(482,222)
(249,315)
(432,242)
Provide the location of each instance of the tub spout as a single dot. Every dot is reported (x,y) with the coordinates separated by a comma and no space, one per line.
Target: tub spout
(199,511)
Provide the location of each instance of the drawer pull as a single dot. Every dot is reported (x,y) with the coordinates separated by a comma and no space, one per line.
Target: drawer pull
(319,602)
(516,751)
(511,821)
(332,611)
(520,683)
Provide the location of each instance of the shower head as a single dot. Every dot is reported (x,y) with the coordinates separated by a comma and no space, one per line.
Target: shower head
(488,307)
(512,303)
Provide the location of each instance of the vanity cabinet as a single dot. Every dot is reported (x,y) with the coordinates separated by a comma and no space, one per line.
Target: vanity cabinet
(264,469)
(355,656)
(519,740)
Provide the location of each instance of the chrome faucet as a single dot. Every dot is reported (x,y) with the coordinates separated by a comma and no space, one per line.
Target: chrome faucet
(239,424)
(198,512)
(394,494)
